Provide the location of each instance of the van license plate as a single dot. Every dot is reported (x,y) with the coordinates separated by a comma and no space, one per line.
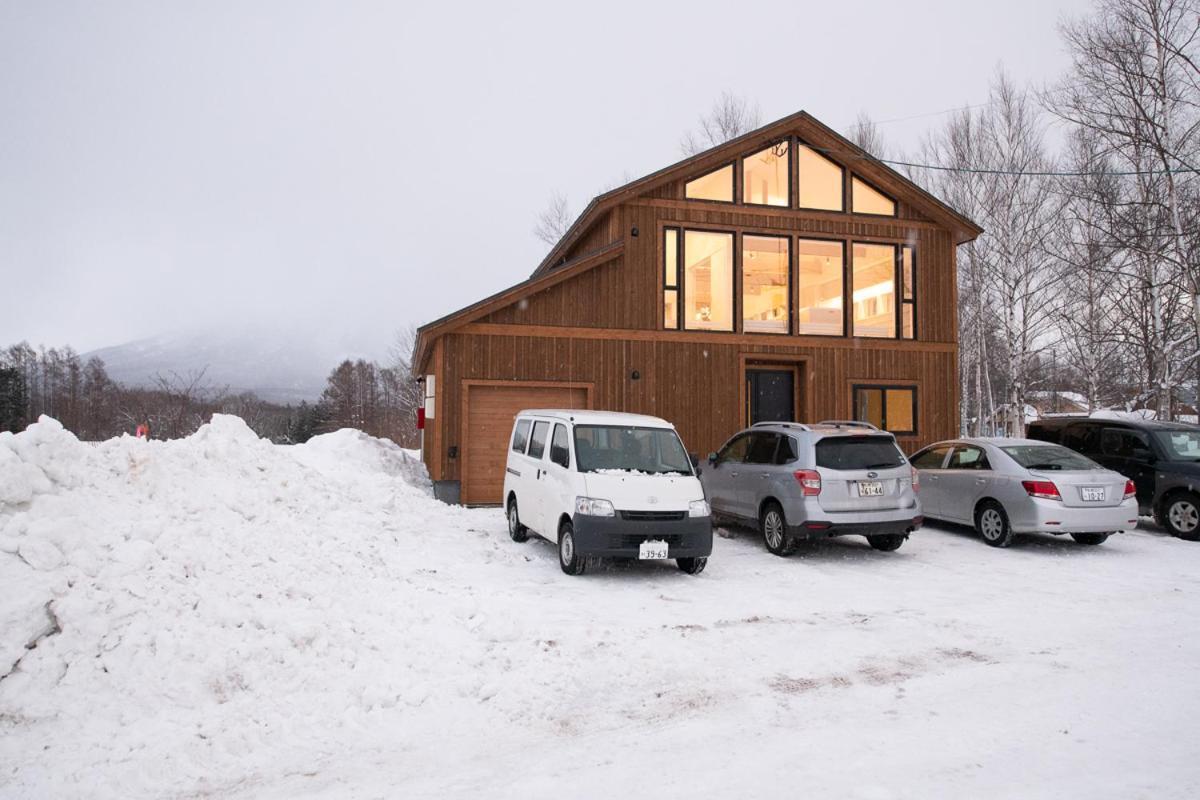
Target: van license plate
(870,489)
(652,549)
(1091,493)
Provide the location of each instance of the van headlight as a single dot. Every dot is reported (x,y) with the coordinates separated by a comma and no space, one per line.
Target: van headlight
(593,507)
(698,508)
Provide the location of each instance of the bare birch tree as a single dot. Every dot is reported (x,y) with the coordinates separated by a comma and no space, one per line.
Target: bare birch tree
(729,118)
(554,220)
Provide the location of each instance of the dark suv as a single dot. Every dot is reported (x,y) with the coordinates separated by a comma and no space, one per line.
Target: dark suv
(1161,458)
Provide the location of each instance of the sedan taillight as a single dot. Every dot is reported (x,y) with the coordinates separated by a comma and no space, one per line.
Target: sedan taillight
(1044,489)
(810,481)
(1130,490)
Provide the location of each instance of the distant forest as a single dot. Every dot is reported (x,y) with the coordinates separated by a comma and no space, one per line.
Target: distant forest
(380,400)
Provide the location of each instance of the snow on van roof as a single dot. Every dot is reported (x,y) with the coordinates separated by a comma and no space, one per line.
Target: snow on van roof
(586,416)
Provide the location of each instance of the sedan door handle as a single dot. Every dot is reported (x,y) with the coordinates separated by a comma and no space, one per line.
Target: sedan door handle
(981,480)
(733,474)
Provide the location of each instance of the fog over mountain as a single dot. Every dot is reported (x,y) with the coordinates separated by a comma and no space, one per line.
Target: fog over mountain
(285,364)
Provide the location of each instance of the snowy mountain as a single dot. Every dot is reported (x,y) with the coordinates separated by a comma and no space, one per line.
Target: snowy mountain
(284,364)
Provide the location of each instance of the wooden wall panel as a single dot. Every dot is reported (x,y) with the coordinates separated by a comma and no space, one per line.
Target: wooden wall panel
(696,386)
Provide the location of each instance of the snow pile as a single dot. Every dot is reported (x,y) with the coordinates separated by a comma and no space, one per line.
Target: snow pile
(174,607)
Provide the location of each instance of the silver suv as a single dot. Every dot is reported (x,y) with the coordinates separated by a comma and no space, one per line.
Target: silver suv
(799,481)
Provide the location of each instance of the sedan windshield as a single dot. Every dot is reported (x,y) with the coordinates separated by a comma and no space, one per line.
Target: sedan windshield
(1048,457)
(1181,445)
(599,448)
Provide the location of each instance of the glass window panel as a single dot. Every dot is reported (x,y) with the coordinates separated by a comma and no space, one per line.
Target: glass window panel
(873,290)
(868,406)
(869,200)
(820,180)
(900,410)
(765,176)
(764,284)
(670,257)
(906,321)
(707,281)
(717,185)
(819,274)
(906,261)
(670,309)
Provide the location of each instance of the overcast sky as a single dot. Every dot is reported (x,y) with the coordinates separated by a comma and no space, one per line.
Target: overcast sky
(367,165)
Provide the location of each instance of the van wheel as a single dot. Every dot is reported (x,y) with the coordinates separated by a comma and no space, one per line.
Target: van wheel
(569,558)
(1090,538)
(774,531)
(992,524)
(886,542)
(1181,516)
(692,566)
(516,531)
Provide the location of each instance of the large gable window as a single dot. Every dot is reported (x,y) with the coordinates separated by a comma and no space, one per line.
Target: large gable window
(716,185)
(820,181)
(765,176)
(765,284)
(869,200)
(873,290)
(819,271)
(707,281)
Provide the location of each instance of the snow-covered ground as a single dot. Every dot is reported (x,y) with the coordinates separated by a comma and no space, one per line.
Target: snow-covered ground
(221,617)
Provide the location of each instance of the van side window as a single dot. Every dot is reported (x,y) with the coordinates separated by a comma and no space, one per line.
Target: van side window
(560,452)
(537,442)
(1122,443)
(1081,438)
(520,436)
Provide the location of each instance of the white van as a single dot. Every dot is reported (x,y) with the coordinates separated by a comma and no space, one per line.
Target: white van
(599,483)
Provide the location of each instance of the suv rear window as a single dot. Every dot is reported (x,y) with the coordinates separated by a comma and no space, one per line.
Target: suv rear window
(858,452)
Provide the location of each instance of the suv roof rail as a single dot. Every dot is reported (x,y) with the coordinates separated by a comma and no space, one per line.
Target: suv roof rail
(798,425)
(848,423)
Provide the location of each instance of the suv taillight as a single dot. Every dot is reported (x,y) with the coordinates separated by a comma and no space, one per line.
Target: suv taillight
(916,480)
(810,481)
(1130,490)
(1044,489)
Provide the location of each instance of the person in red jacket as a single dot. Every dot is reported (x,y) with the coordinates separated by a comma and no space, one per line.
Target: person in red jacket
(143,430)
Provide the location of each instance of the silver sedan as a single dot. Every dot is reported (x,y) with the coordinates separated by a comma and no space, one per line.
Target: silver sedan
(1008,486)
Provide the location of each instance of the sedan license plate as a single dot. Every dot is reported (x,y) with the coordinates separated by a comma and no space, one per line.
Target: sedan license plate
(652,549)
(870,489)
(1091,493)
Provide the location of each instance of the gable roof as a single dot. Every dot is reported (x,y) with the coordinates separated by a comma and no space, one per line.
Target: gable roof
(554,268)
(817,134)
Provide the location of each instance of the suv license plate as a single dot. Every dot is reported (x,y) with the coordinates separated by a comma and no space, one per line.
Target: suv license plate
(652,549)
(870,489)
(1091,493)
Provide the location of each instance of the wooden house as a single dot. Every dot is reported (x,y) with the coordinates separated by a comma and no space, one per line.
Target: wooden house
(785,274)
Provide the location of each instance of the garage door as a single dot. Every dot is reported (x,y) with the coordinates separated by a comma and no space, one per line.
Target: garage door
(490,411)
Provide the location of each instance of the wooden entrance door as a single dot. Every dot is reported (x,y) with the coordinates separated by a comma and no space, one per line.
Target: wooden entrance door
(488,411)
(771,395)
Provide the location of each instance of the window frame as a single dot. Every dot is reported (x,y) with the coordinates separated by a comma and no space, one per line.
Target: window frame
(845,209)
(790,141)
(733,188)
(847,320)
(734,283)
(677,287)
(739,288)
(912,254)
(884,388)
(897,290)
(854,176)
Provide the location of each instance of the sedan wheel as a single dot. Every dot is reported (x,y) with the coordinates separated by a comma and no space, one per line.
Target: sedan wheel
(992,524)
(1183,517)
(774,531)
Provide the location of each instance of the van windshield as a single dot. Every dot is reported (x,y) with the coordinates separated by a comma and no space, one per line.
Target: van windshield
(657,451)
(1182,445)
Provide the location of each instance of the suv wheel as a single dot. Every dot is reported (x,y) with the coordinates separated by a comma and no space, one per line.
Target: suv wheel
(886,541)
(516,531)
(1181,516)
(692,566)
(992,524)
(569,558)
(773,525)
(1090,538)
